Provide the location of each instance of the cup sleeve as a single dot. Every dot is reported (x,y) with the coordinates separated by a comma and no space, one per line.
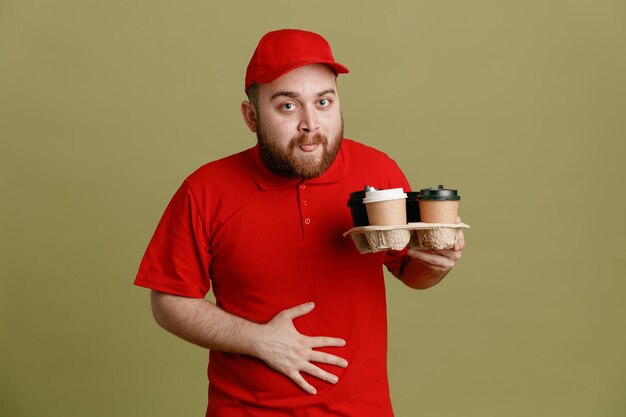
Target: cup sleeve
(178,259)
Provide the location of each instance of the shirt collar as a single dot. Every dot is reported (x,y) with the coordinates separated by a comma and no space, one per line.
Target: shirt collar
(267,179)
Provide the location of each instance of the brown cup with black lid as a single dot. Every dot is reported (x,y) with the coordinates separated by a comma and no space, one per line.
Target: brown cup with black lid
(439,205)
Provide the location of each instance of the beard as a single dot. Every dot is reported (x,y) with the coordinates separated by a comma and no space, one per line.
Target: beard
(289,163)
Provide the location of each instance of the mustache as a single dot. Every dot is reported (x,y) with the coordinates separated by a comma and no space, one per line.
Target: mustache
(316,139)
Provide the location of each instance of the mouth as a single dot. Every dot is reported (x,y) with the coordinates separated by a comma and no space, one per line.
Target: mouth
(309,148)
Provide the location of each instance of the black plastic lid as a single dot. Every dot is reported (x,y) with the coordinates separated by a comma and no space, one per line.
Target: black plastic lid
(357,194)
(357,197)
(438,194)
(412,195)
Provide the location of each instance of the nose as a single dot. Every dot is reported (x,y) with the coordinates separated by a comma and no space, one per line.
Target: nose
(308,122)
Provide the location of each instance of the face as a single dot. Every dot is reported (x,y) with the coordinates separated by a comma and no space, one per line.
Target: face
(298,122)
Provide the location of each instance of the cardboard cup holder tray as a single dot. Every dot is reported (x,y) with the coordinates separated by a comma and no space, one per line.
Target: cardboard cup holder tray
(372,239)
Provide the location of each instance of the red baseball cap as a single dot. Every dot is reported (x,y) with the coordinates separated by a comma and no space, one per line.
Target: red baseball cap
(284,50)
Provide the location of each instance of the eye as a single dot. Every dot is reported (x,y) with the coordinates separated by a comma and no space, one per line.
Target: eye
(288,106)
(324,102)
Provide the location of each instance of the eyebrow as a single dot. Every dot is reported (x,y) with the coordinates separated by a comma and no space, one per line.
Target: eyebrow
(294,95)
(325,92)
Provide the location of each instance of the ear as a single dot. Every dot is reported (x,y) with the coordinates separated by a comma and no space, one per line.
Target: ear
(249,115)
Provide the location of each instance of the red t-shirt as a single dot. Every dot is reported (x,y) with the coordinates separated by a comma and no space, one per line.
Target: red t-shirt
(265,243)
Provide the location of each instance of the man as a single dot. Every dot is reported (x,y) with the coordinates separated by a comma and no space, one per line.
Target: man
(300,327)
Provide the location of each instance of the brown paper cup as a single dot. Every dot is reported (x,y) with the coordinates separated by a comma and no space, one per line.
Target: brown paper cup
(433,211)
(389,212)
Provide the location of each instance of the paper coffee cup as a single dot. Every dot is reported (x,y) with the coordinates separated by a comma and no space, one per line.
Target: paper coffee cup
(439,205)
(357,208)
(385,207)
(412,207)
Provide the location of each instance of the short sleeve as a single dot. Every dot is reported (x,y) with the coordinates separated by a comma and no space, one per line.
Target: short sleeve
(177,259)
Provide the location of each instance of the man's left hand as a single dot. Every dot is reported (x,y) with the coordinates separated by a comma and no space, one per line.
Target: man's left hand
(429,266)
(441,260)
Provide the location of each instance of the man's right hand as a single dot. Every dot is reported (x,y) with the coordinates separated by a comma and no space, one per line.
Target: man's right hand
(289,352)
(277,342)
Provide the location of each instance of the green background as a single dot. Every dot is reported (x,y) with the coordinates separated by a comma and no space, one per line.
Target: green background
(105,107)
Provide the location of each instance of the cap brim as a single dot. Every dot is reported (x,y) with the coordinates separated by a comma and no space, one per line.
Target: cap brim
(335,66)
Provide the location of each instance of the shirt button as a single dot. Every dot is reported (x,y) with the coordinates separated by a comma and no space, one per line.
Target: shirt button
(307,221)
(302,187)
(306,203)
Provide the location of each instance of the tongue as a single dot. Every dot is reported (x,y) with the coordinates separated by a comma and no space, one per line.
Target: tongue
(308,148)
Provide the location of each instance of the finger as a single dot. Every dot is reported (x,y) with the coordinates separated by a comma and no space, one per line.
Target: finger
(323,357)
(297,311)
(322,341)
(428,256)
(436,268)
(301,382)
(452,254)
(320,373)
(432,259)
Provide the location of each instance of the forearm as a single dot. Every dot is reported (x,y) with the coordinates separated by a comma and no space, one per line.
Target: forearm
(201,322)
(277,343)
(417,275)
